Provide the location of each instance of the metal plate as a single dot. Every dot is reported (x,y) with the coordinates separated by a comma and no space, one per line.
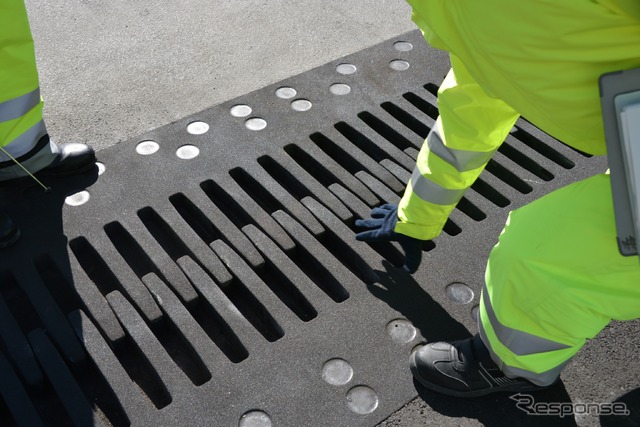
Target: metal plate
(209,275)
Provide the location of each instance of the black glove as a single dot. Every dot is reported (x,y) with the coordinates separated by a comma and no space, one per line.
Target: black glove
(380,229)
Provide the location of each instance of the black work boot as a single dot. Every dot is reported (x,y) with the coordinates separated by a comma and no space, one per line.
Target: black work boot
(61,160)
(463,369)
(72,158)
(9,232)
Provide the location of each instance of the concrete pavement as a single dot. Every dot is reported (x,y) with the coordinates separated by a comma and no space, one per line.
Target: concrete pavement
(112,70)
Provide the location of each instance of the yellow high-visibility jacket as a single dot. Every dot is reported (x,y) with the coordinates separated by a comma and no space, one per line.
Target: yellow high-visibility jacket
(21,123)
(536,58)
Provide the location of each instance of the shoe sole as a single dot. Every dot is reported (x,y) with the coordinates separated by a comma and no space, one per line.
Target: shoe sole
(81,169)
(27,181)
(467,394)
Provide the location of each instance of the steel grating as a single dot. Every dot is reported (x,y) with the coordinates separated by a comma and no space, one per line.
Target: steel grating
(206,273)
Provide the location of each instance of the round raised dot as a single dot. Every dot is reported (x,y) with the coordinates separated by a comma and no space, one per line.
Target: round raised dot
(77,199)
(101,168)
(340,89)
(187,152)
(362,400)
(337,372)
(240,110)
(286,92)
(197,128)
(301,105)
(401,331)
(475,313)
(459,292)
(403,46)
(399,65)
(256,123)
(147,147)
(346,68)
(255,419)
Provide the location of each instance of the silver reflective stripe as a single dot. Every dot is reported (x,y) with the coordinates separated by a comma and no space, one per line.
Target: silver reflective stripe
(462,160)
(518,342)
(25,142)
(542,379)
(18,107)
(431,192)
(38,161)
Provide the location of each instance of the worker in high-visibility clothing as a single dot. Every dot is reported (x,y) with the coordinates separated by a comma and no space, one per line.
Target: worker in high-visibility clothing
(556,277)
(24,141)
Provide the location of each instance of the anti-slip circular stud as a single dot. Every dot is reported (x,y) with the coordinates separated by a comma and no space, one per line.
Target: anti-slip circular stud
(187,152)
(346,69)
(146,148)
(301,105)
(197,128)
(339,89)
(401,331)
(475,313)
(256,124)
(403,46)
(362,399)
(101,168)
(255,419)
(337,372)
(459,292)
(399,65)
(240,110)
(286,92)
(77,199)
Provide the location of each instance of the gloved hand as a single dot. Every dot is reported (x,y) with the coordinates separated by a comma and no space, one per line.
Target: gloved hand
(380,229)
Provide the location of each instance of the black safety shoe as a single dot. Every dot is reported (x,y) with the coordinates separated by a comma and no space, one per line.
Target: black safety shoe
(9,232)
(463,369)
(72,158)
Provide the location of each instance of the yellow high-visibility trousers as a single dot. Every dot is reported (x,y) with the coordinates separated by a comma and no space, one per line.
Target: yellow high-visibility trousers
(22,128)
(556,277)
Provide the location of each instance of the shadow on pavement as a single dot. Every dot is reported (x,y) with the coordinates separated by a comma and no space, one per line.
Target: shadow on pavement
(631,403)
(404,294)
(500,409)
(39,349)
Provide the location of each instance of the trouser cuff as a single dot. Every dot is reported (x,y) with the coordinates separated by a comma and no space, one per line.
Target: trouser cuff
(42,155)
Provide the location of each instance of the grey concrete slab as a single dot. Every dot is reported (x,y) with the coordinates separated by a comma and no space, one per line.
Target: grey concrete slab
(113,70)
